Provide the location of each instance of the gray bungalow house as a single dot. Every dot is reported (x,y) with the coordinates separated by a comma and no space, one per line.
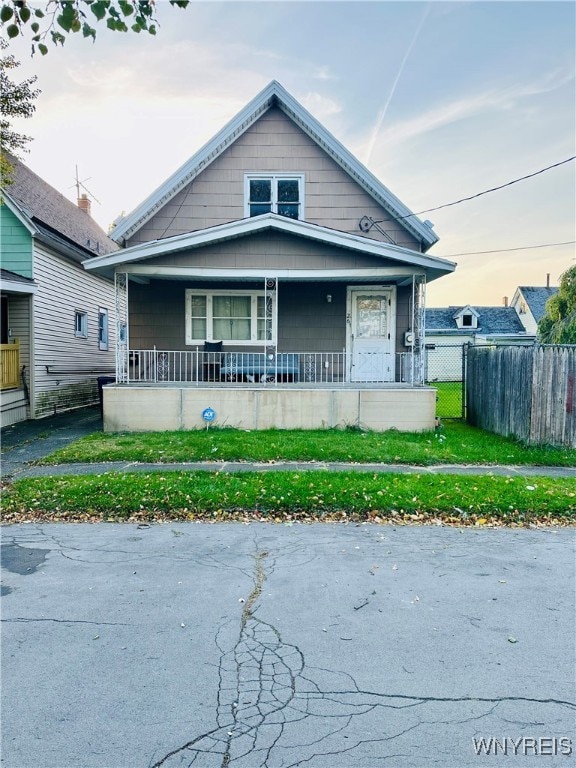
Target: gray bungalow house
(57,324)
(271,281)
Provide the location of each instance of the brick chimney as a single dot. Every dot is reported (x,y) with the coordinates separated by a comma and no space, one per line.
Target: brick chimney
(84,203)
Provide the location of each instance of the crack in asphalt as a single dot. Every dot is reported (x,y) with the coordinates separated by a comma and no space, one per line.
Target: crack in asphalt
(267,707)
(66,621)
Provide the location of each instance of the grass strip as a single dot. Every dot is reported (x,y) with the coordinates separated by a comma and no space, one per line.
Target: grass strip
(448,399)
(456,443)
(299,495)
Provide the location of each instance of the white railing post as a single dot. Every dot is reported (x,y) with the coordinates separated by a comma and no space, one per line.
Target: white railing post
(122,336)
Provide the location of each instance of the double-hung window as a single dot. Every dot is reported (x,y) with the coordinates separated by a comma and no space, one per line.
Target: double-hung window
(103,329)
(80,324)
(275,193)
(234,317)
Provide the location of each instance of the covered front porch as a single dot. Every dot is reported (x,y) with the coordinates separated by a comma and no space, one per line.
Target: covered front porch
(282,351)
(269,322)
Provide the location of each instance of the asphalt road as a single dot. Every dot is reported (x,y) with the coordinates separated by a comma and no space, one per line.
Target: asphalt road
(324,646)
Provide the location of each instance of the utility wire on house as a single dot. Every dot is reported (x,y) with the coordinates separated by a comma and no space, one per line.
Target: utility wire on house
(486,191)
(505,250)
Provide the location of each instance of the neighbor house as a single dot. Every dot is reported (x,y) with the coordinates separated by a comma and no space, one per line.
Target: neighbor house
(448,329)
(530,305)
(58,324)
(271,281)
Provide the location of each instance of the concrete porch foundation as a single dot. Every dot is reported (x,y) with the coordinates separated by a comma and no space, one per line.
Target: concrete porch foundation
(129,408)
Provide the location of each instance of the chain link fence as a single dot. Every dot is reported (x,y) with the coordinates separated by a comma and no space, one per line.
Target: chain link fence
(446,371)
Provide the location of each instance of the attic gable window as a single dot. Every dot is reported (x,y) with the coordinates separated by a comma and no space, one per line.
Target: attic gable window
(468,321)
(274,193)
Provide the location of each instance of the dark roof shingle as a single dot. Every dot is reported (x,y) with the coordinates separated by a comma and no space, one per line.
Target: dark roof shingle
(501,320)
(536,299)
(45,205)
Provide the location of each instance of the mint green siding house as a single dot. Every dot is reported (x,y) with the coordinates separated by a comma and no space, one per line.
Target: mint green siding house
(57,321)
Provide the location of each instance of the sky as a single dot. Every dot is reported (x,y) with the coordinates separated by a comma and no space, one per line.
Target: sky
(440,100)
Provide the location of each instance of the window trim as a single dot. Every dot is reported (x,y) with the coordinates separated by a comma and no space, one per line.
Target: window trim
(210,293)
(80,329)
(103,344)
(299,177)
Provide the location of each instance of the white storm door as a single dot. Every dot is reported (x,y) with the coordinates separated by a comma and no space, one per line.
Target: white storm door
(372,330)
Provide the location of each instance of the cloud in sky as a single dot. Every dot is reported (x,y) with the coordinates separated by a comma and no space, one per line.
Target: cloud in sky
(469,106)
(445,99)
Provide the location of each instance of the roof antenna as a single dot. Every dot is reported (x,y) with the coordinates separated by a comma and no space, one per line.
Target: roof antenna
(82,198)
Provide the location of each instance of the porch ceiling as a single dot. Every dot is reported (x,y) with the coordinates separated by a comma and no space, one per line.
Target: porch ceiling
(143,274)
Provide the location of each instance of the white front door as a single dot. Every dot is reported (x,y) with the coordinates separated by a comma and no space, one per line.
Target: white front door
(372,326)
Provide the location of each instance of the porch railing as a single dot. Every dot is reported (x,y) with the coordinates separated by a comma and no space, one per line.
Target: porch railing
(309,368)
(10,365)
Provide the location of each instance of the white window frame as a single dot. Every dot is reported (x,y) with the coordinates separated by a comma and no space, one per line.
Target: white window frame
(103,340)
(274,177)
(467,312)
(254,295)
(80,324)
(468,316)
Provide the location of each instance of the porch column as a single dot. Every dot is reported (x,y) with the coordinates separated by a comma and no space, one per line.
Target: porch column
(418,328)
(121,290)
(271,317)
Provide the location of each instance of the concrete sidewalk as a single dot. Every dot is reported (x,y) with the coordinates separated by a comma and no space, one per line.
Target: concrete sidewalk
(29,441)
(289,466)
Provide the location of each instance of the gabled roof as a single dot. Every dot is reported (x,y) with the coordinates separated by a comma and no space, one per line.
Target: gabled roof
(536,299)
(51,212)
(274,95)
(491,320)
(433,266)
(465,310)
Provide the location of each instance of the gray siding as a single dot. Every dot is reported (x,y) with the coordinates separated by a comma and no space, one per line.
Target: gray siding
(306,321)
(273,144)
(273,251)
(403,315)
(63,288)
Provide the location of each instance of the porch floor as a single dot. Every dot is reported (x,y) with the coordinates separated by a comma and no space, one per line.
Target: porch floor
(286,386)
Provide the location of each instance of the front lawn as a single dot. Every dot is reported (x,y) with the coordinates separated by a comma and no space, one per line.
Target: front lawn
(286,496)
(455,443)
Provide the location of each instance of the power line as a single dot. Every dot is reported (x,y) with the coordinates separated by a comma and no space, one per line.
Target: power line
(486,191)
(505,250)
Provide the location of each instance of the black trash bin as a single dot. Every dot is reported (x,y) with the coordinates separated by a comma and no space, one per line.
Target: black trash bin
(102,381)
